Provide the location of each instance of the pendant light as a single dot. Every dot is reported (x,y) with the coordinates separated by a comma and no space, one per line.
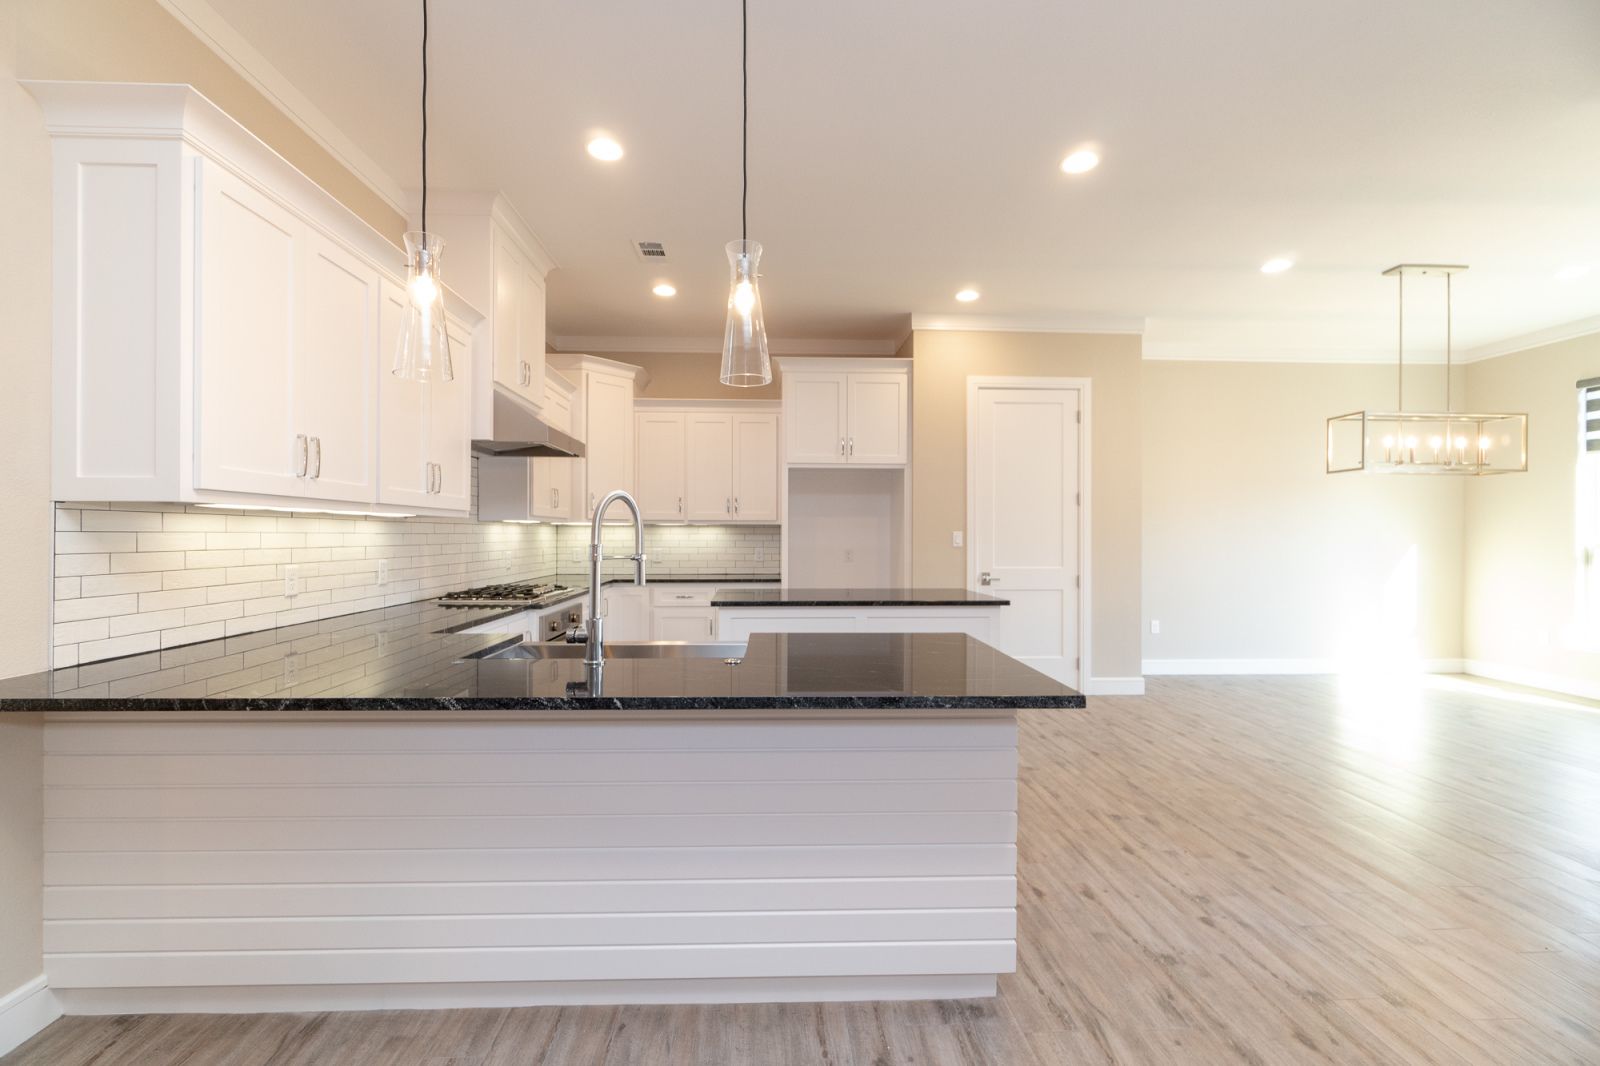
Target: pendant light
(745,362)
(1427,442)
(424,351)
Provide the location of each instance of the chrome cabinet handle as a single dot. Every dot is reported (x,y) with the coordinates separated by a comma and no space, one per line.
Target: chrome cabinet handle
(302,454)
(852,445)
(427,477)
(710,631)
(841,445)
(680,504)
(591,503)
(316,468)
(727,505)
(736,505)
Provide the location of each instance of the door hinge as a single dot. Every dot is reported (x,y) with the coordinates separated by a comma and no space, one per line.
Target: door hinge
(1077,416)
(1077,582)
(1077,498)
(1077,664)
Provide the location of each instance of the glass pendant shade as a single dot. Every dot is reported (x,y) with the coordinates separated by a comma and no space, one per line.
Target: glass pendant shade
(745,362)
(424,350)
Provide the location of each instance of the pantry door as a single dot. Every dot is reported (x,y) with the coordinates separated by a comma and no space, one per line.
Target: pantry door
(1027,515)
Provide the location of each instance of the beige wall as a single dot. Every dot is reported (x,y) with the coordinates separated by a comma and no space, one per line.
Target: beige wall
(941,363)
(113,40)
(1252,551)
(1521,562)
(690,376)
(137,40)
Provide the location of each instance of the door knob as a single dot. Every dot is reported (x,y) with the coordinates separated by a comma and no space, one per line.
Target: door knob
(986,578)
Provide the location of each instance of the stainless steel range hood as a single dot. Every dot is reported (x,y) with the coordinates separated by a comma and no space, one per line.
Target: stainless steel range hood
(518,432)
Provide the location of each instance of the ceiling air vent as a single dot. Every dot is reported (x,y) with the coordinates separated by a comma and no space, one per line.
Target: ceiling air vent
(650,251)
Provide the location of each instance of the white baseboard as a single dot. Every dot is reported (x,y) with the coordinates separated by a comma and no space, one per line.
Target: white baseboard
(1114,686)
(263,999)
(1584,688)
(1278,666)
(24,1013)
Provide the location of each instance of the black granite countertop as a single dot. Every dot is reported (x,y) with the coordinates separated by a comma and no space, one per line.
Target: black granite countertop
(414,657)
(786,596)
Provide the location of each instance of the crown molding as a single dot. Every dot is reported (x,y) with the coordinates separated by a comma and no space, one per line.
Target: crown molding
(713,346)
(1566,331)
(217,34)
(1029,323)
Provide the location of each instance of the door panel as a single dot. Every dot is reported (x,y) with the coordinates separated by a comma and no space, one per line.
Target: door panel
(814,406)
(249,276)
(402,413)
(662,480)
(449,425)
(710,468)
(876,430)
(755,465)
(608,437)
(1025,538)
(693,624)
(336,370)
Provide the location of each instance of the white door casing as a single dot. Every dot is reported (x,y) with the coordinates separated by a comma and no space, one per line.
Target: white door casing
(1027,520)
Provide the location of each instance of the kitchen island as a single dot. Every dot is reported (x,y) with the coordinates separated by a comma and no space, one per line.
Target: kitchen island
(383,810)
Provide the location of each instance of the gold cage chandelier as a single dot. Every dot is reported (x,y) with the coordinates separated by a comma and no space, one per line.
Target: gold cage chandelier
(1427,442)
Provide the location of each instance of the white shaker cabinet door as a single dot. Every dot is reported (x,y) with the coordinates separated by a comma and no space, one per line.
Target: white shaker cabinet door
(250,258)
(402,413)
(450,426)
(755,467)
(814,414)
(710,449)
(336,373)
(696,625)
(608,438)
(659,437)
(876,430)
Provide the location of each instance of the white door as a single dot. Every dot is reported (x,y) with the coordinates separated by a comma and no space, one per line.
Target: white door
(608,437)
(530,334)
(449,425)
(402,413)
(755,468)
(249,275)
(335,379)
(659,446)
(710,468)
(692,624)
(813,408)
(1024,484)
(876,429)
(510,296)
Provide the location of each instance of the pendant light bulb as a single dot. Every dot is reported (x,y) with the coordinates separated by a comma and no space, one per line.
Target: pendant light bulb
(424,350)
(744,297)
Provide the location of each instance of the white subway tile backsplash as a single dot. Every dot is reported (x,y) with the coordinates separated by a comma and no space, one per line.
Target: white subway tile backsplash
(135,578)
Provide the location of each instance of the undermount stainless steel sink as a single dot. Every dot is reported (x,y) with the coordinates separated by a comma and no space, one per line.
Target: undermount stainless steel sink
(620,649)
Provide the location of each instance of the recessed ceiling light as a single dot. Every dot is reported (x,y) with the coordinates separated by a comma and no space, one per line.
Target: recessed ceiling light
(605,149)
(966,296)
(1276,266)
(665,289)
(1081,161)
(1574,271)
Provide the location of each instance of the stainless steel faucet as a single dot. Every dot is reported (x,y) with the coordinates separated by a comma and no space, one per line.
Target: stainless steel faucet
(592,633)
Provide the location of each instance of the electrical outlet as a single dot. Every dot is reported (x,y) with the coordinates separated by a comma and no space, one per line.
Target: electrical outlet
(956,538)
(383,572)
(761,555)
(291,581)
(849,555)
(291,669)
(1155,625)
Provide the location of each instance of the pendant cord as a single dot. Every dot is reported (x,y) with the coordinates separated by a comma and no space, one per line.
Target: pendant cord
(1400,348)
(424,116)
(744,136)
(1448,339)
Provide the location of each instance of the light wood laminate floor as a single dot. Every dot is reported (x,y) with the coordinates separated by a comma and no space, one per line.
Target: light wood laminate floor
(1228,870)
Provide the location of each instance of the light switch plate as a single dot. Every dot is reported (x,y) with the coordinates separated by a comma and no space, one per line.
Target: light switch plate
(956,538)
(291,581)
(383,572)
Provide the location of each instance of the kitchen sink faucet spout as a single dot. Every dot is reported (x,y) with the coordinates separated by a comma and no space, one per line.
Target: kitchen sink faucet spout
(592,633)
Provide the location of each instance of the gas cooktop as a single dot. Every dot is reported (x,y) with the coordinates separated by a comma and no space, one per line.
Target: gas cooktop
(512,594)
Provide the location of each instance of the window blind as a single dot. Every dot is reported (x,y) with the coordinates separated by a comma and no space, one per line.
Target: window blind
(1589,395)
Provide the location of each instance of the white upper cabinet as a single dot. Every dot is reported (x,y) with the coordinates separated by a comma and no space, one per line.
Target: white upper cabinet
(603,420)
(223,326)
(518,322)
(709,459)
(712,465)
(659,441)
(335,374)
(847,411)
(814,410)
(755,467)
(251,250)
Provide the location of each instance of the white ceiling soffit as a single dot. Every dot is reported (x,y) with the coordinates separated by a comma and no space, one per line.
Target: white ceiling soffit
(1027,323)
(897,159)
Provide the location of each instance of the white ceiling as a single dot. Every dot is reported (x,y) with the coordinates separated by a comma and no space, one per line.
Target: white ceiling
(903,150)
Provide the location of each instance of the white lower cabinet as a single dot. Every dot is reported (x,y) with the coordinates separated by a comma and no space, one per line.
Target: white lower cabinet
(693,624)
(737,623)
(626,609)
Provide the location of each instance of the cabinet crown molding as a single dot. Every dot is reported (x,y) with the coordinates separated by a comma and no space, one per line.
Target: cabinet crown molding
(572,361)
(495,205)
(802,363)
